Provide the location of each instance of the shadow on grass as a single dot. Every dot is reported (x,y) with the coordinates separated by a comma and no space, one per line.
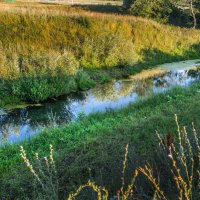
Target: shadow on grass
(150,59)
(155,56)
(107,8)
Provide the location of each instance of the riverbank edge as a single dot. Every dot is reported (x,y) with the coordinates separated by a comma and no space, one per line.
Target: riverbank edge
(95,77)
(96,132)
(96,127)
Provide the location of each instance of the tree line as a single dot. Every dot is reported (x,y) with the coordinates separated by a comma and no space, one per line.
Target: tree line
(178,12)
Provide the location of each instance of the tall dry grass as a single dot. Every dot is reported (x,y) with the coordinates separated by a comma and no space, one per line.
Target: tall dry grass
(183,157)
(41,43)
(95,39)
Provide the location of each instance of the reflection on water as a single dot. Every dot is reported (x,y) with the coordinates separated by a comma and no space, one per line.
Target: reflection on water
(22,124)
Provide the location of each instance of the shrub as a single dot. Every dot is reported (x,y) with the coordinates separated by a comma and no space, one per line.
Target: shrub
(84,81)
(158,10)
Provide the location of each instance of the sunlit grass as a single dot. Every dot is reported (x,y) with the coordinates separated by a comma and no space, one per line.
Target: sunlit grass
(70,40)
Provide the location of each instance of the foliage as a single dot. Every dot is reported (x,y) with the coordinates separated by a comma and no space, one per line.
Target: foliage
(182,158)
(170,11)
(197,4)
(158,10)
(97,142)
(69,44)
(45,175)
(41,87)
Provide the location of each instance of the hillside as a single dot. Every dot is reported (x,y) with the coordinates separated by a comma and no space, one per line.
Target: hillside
(41,42)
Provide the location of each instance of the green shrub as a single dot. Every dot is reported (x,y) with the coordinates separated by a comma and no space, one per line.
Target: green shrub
(41,87)
(84,81)
(158,10)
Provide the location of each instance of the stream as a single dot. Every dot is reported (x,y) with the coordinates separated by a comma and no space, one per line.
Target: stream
(23,123)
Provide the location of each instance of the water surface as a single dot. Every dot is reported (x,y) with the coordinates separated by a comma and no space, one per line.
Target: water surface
(23,123)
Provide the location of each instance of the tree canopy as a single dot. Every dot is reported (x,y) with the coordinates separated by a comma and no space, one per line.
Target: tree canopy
(156,9)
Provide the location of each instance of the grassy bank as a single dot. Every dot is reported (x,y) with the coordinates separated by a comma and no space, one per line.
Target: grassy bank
(93,147)
(42,44)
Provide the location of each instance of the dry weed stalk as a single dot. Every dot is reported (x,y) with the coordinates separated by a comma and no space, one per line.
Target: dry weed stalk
(182,159)
(102,193)
(125,195)
(123,169)
(198,148)
(29,165)
(129,192)
(44,173)
(183,163)
(148,172)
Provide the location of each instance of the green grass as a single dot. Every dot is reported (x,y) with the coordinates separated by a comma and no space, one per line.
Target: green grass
(70,40)
(78,49)
(97,142)
(39,88)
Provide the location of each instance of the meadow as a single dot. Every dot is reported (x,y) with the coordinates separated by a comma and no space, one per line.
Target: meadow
(47,51)
(46,47)
(93,147)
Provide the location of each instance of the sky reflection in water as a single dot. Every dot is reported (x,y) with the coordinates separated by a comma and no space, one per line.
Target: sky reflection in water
(21,124)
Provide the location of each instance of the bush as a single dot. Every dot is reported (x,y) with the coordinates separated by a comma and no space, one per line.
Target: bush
(158,10)
(38,88)
(84,81)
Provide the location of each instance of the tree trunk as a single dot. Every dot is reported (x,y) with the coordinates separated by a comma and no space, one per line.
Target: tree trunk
(193,14)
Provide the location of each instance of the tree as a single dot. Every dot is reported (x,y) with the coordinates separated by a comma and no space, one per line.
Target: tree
(197,4)
(193,13)
(159,10)
(127,3)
